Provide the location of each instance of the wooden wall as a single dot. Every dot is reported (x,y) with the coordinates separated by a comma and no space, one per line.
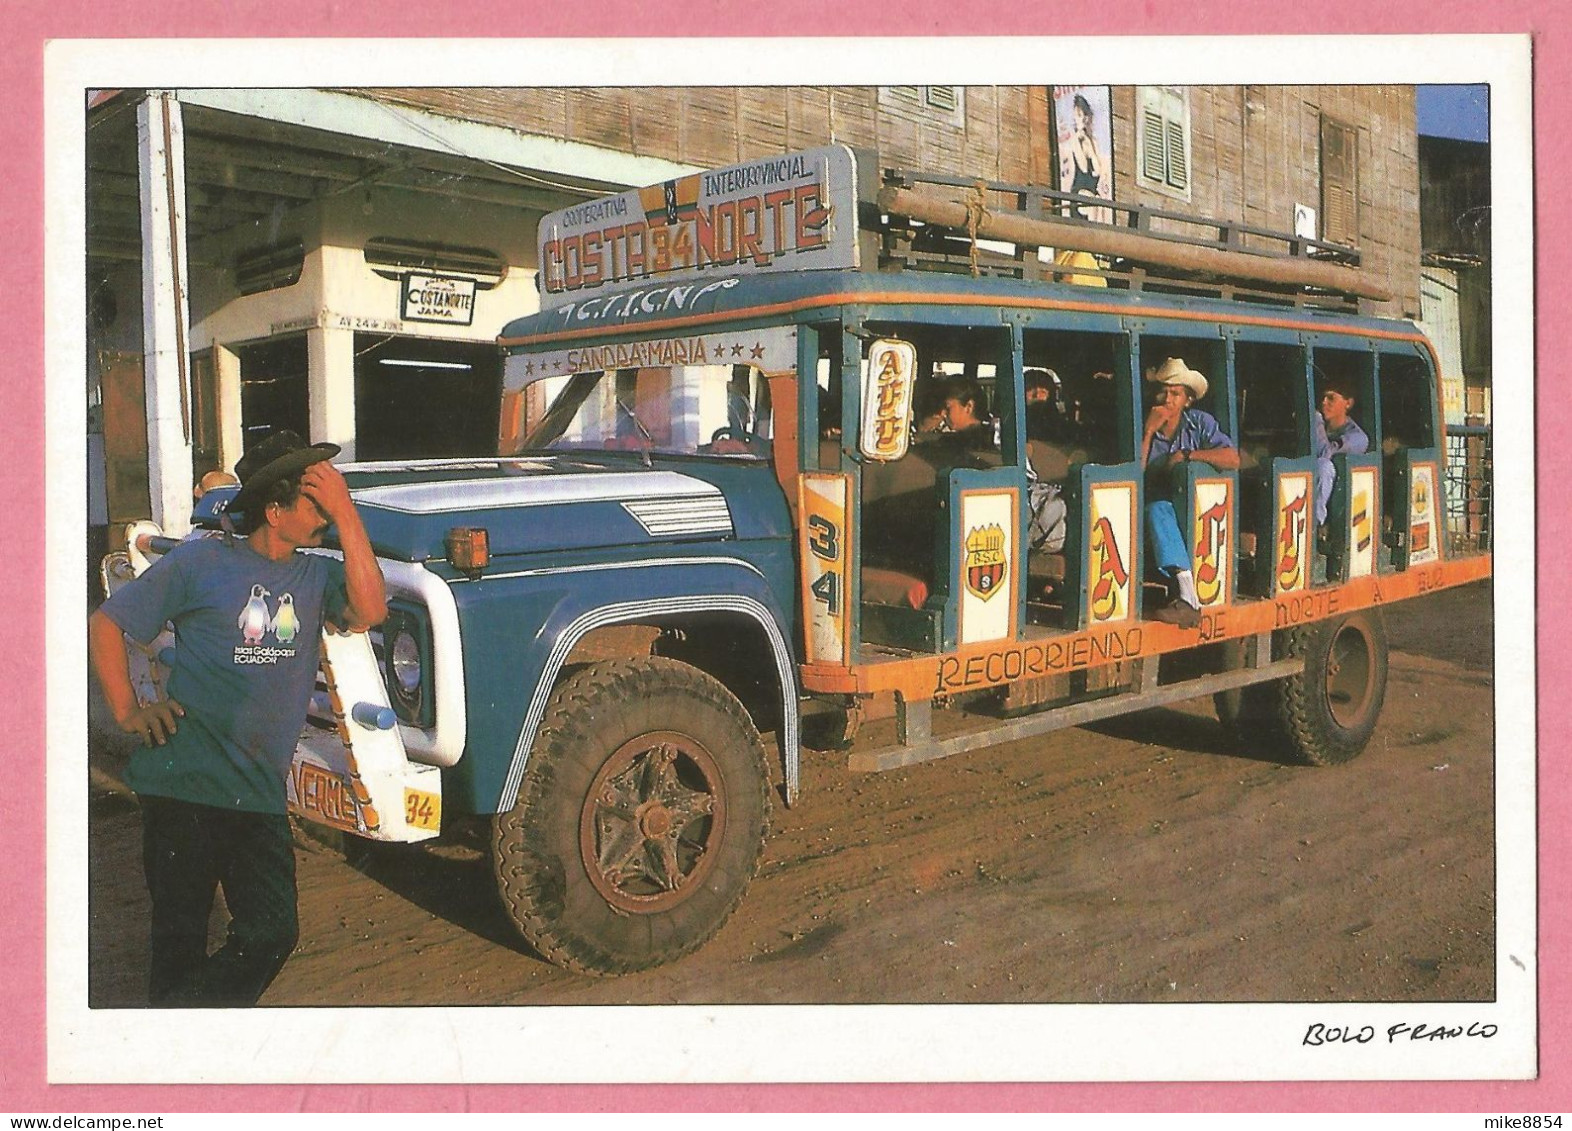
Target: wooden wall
(1255,150)
(714,126)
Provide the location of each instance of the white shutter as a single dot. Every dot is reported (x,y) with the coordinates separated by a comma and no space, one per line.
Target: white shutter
(1153,163)
(1178,155)
(942,97)
(1163,140)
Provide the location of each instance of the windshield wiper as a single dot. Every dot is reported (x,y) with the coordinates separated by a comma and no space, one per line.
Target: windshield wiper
(649,441)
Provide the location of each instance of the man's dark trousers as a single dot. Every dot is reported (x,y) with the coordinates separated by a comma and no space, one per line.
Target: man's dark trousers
(188,851)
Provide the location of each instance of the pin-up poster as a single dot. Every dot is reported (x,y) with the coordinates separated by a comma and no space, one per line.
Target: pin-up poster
(1083,130)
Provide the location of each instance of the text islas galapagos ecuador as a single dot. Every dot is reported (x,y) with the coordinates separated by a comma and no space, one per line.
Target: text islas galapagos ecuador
(748,230)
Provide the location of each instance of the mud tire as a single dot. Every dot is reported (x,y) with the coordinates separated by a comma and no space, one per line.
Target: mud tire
(1324,715)
(1329,710)
(640,820)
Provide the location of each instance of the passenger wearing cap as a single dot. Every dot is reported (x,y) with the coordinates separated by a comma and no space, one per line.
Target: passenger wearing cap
(210,775)
(1334,432)
(1177,433)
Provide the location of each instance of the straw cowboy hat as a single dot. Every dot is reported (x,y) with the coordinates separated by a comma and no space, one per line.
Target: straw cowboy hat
(1175,372)
(279,456)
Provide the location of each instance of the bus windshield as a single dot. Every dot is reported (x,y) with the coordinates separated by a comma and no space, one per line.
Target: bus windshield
(689,410)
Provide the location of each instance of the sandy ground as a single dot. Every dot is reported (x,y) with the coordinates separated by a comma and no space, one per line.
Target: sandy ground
(1132,861)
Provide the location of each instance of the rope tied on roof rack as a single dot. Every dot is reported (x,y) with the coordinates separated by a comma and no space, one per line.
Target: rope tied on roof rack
(976,213)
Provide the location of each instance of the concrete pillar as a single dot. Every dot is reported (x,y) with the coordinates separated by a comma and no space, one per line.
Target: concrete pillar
(166,325)
(226,376)
(331,380)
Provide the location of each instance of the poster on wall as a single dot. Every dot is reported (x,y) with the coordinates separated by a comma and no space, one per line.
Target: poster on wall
(1083,131)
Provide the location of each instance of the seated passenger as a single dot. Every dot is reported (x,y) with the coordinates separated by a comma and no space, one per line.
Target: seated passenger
(1041,385)
(1335,433)
(966,415)
(1048,460)
(1177,434)
(928,407)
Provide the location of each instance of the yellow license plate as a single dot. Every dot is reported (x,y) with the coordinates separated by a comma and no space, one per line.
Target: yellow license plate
(423,810)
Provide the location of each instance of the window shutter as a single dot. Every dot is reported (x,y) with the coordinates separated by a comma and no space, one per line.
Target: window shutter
(1152,144)
(912,92)
(942,97)
(1178,161)
(1163,140)
(1339,183)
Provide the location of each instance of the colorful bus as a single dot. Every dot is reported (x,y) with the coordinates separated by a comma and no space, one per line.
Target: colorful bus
(718,514)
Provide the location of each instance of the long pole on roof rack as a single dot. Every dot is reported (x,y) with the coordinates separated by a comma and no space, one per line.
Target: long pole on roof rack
(1031,231)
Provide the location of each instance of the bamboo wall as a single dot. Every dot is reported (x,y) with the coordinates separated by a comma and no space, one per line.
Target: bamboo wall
(1255,150)
(715,126)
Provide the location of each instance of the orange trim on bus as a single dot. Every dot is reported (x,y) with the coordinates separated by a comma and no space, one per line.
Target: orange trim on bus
(1000,662)
(921,298)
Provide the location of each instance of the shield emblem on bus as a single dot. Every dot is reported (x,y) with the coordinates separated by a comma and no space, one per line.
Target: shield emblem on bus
(985,562)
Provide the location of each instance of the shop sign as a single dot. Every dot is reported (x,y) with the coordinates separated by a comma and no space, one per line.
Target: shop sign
(438,298)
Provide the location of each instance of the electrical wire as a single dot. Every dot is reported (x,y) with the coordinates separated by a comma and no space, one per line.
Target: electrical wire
(395,112)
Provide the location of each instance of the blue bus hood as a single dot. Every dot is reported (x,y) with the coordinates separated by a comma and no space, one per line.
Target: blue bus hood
(556,503)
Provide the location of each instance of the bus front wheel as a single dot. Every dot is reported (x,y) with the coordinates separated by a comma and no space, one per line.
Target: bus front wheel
(640,821)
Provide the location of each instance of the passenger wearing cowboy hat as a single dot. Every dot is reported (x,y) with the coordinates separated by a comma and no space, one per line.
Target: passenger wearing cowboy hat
(210,776)
(1176,434)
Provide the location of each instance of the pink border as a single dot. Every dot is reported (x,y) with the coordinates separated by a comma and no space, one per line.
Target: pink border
(32,22)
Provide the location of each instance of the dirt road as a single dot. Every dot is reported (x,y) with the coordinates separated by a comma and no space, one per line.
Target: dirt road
(1133,861)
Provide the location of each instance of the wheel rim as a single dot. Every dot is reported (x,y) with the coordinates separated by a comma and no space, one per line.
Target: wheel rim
(651,822)
(1349,683)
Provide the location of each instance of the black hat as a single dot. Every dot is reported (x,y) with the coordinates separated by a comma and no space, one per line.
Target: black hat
(279,456)
(1337,384)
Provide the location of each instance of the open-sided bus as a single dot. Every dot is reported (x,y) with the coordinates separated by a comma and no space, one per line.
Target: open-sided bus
(711,518)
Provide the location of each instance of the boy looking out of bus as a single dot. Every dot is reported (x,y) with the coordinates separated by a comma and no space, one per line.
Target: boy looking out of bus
(1334,432)
(1176,434)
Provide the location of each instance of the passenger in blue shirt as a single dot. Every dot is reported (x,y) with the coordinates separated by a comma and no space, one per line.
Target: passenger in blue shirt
(1335,433)
(210,777)
(1177,434)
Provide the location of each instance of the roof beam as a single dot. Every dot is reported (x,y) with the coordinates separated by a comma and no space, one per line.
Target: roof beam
(360,116)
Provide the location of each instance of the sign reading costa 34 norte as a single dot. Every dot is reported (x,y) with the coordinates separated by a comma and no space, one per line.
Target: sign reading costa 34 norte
(781,213)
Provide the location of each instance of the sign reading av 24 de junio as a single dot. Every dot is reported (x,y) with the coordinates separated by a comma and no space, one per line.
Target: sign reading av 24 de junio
(788,213)
(438,298)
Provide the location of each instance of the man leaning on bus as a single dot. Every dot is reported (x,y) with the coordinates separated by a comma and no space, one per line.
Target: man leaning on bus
(1176,434)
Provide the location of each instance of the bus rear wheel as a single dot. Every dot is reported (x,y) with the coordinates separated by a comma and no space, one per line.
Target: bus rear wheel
(1324,715)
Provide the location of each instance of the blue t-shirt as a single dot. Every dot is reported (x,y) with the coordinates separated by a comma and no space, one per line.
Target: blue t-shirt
(1198,431)
(247,634)
(1328,442)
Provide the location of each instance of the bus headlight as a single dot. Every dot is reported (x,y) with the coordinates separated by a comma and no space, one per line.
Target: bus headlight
(406,664)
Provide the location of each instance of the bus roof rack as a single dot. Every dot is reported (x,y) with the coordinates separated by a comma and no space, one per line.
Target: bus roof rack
(929,222)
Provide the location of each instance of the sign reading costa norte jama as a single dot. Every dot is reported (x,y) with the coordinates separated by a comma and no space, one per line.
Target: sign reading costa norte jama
(437,298)
(785,213)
